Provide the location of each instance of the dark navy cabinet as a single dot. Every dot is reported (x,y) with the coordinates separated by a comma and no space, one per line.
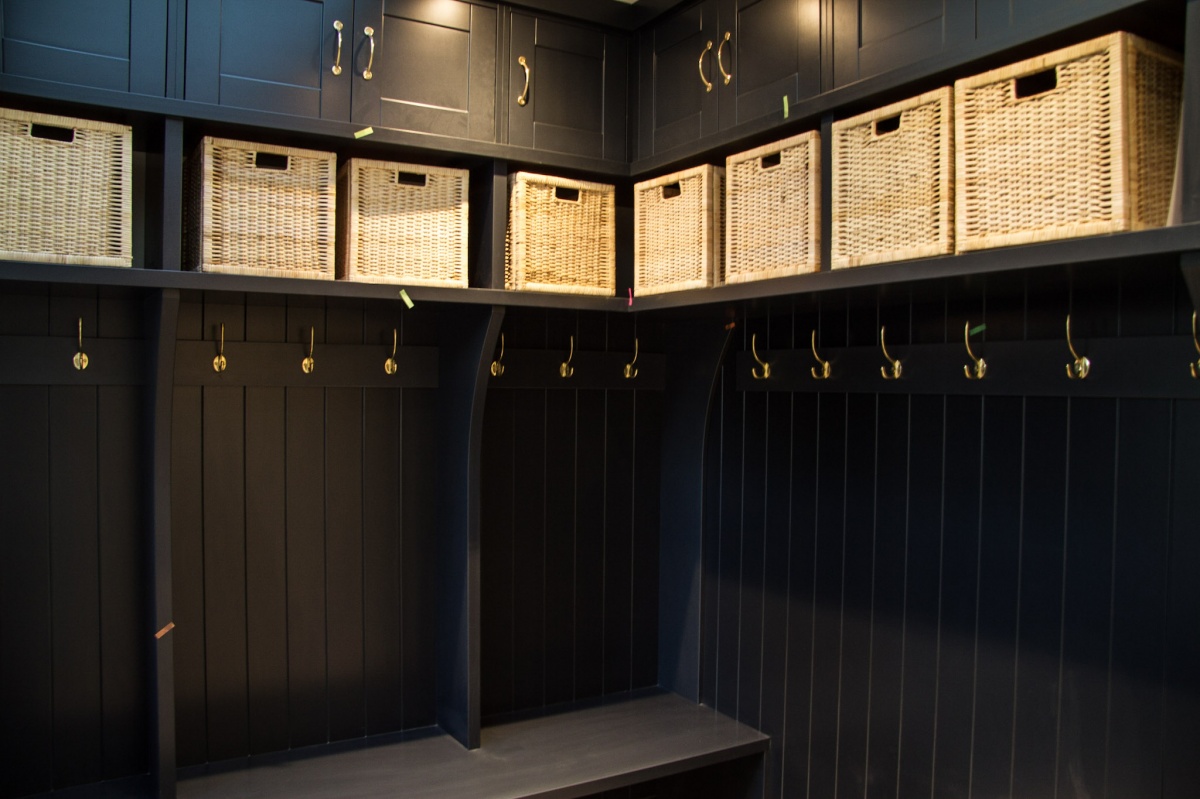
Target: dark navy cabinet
(433,70)
(721,63)
(567,88)
(119,45)
(271,55)
(874,36)
(405,64)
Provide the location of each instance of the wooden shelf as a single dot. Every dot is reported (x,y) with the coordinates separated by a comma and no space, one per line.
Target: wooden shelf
(1066,252)
(568,755)
(1082,253)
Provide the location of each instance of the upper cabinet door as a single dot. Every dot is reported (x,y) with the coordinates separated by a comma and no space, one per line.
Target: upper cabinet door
(271,55)
(678,103)
(874,36)
(570,93)
(433,70)
(104,44)
(773,50)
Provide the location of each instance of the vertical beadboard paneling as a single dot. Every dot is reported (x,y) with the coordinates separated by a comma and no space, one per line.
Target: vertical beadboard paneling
(303,534)
(980,595)
(569,539)
(26,684)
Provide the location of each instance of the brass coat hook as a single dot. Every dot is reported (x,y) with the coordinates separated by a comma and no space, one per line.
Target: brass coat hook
(80,360)
(219,362)
(1081,366)
(565,369)
(1195,367)
(389,366)
(978,369)
(631,370)
(765,372)
(892,373)
(498,364)
(309,364)
(826,369)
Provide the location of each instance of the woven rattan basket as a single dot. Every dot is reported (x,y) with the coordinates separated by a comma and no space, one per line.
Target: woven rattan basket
(773,210)
(1077,142)
(402,223)
(258,209)
(893,180)
(560,236)
(67,190)
(677,230)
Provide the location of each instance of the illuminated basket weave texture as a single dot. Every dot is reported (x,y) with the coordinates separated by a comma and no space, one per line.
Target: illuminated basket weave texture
(773,210)
(678,229)
(893,179)
(67,193)
(1076,142)
(258,209)
(402,223)
(560,236)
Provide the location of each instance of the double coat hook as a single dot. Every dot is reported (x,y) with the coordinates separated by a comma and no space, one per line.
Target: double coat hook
(826,369)
(390,366)
(309,363)
(565,369)
(1081,366)
(497,368)
(1195,367)
(219,362)
(631,370)
(764,371)
(892,373)
(81,359)
(978,368)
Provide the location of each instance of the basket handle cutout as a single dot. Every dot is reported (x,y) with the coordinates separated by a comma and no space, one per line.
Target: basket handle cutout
(768,161)
(886,126)
(564,193)
(411,179)
(1035,84)
(51,132)
(671,190)
(270,161)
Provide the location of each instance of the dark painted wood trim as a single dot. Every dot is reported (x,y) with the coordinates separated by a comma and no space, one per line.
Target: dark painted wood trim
(1189,150)
(346,365)
(44,361)
(694,355)
(171,255)
(469,340)
(593,370)
(162,312)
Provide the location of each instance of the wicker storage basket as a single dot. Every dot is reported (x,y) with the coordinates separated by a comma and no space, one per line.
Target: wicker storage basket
(1077,142)
(893,180)
(560,236)
(773,210)
(402,223)
(67,190)
(258,209)
(677,230)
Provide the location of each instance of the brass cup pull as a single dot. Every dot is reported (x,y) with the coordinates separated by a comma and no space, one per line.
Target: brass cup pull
(337,60)
(720,65)
(524,96)
(369,32)
(700,66)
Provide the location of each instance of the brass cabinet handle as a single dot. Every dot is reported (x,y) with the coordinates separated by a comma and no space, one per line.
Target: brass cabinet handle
(524,98)
(700,66)
(369,32)
(728,77)
(337,61)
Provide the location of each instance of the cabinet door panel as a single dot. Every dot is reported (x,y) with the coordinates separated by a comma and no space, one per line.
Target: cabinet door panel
(777,52)
(434,68)
(109,44)
(1000,16)
(676,108)
(577,90)
(873,36)
(270,55)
